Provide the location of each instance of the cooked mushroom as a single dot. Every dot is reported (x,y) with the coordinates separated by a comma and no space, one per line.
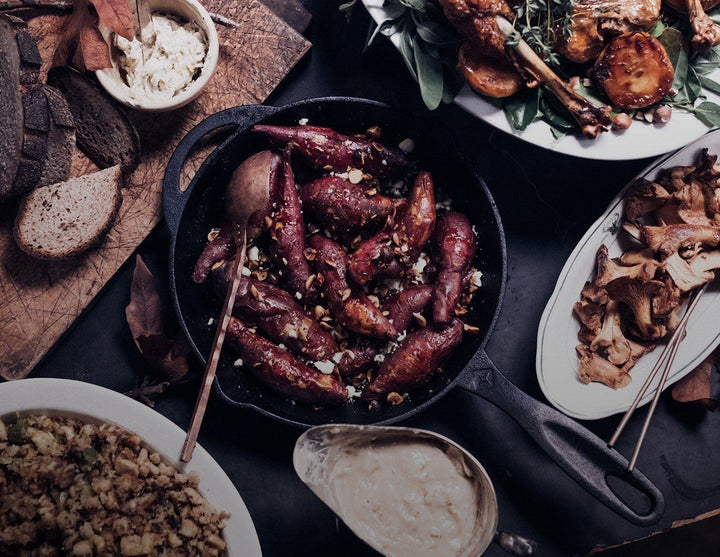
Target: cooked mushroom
(673,178)
(637,351)
(683,274)
(594,367)
(633,230)
(590,315)
(669,239)
(595,294)
(637,295)
(638,257)
(688,205)
(705,261)
(610,339)
(608,271)
(666,300)
(644,197)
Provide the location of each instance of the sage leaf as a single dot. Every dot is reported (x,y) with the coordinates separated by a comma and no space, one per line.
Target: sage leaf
(708,113)
(429,73)
(406,49)
(521,110)
(672,41)
(693,86)
(707,62)
(658,28)
(710,84)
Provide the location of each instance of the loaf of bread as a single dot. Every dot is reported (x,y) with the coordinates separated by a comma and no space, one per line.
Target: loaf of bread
(66,219)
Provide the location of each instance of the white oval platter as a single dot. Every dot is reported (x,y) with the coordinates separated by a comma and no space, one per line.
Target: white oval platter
(64,397)
(640,141)
(556,360)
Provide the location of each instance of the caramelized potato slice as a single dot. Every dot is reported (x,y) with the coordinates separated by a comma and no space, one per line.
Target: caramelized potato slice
(634,70)
(488,76)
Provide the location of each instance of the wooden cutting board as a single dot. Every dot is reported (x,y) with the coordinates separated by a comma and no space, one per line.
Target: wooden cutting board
(40,300)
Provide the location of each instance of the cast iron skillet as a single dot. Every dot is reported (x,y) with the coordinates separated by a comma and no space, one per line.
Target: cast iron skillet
(192,213)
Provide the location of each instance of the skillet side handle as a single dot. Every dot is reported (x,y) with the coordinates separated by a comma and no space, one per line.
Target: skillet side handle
(174,199)
(580,453)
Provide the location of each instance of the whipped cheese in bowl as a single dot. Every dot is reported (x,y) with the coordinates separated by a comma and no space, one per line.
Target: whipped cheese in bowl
(175,61)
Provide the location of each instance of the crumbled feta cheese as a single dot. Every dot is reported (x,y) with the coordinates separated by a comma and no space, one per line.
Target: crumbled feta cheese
(246,272)
(353,392)
(421,263)
(292,333)
(253,253)
(281,346)
(325,366)
(337,357)
(380,358)
(298,295)
(238,362)
(407,145)
(211,321)
(303,121)
(402,336)
(476,279)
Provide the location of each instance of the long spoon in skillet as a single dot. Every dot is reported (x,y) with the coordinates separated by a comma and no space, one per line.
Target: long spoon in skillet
(247,192)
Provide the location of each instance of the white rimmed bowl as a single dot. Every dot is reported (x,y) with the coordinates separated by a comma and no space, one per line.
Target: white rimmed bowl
(85,401)
(188,10)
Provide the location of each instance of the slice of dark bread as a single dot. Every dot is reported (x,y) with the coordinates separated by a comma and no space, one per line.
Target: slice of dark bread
(61,139)
(66,219)
(104,133)
(11,138)
(36,128)
(30,60)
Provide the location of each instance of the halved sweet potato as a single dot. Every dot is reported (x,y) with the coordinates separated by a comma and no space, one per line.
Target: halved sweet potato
(634,70)
(488,76)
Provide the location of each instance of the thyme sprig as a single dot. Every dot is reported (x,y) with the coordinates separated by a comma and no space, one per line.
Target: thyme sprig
(540,23)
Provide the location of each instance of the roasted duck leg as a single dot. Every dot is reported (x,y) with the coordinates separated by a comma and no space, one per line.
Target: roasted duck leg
(707,33)
(484,23)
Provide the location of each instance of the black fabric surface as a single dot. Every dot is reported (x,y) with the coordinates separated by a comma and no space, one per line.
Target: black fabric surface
(547,201)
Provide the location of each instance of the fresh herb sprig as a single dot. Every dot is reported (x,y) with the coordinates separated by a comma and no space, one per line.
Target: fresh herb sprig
(540,23)
(428,44)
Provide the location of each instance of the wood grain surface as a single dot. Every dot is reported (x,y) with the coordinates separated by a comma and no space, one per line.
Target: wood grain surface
(40,300)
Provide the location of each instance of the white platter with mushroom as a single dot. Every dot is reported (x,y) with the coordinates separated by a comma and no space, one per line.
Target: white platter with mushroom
(638,142)
(94,404)
(557,361)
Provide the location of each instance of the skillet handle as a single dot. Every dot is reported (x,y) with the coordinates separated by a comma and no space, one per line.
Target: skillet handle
(174,199)
(579,452)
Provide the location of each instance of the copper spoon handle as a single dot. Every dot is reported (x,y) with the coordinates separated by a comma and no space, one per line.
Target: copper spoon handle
(211,367)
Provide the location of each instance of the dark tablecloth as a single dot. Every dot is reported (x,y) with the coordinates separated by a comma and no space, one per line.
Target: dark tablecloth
(547,201)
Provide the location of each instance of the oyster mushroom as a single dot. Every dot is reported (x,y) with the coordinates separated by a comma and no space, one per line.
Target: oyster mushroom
(644,197)
(608,270)
(594,294)
(637,351)
(610,339)
(669,239)
(590,315)
(638,257)
(684,275)
(667,299)
(705,261)
(637,295)
(593,367)
(672,179)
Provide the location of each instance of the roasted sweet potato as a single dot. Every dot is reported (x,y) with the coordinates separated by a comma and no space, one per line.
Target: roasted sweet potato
(343,207)
(347,303)
(280,371)
(634,71)
(287,234)
(220,248)
(488,76)
(325,148)
(358,357)
(279,316)
(402,305)
(415,360)
(454,249)
(391,251)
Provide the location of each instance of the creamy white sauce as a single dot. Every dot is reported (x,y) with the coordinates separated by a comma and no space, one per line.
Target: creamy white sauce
(407,499)
(177,57)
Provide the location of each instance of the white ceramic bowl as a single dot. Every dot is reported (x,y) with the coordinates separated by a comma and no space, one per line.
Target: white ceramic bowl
(85,401)
(188,10)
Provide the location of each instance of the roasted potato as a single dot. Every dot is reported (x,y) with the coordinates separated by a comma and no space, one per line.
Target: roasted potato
(280,371)
(415,360)
(488,76)
(330,150)
(634,71)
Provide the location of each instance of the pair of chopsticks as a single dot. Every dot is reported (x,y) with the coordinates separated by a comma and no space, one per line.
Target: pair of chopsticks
(664,363)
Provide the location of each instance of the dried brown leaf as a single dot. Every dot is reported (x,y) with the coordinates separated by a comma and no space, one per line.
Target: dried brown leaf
(116,15)
(68,44)
(144,312)
(94,49)
(695,386)
(166,357)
